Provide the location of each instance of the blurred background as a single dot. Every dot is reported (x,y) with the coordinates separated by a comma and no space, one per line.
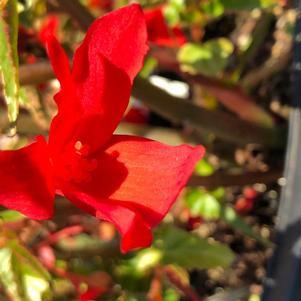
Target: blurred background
(218,73)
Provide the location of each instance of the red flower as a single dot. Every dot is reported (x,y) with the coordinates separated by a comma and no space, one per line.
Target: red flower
(129,181)
(158,31)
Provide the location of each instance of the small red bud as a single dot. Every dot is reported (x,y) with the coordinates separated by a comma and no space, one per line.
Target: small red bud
(194,222)
(250,193)
(244,205)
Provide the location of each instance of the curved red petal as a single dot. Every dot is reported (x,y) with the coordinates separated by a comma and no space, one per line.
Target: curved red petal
(58,59)
(93,113)
(156,173)
(104,66)
(49,27)
(158,31)
(120,37)
(26,181)
(135,231)
(137,174)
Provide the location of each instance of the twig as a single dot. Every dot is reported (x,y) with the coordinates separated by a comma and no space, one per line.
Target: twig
(186,289)
(155,290)
(225,179)
(35,73)
(280,57)
(262,29)
(234,98)
(77,11)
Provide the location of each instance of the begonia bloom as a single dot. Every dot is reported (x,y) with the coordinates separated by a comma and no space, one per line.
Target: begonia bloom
(129,181)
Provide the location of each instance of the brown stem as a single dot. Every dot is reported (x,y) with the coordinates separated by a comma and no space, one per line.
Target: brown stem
(155,291)
(226,179)
(78,12)
(35,73)
(262,29)
(222,125)
(234,98)
(280,56)
(187,290)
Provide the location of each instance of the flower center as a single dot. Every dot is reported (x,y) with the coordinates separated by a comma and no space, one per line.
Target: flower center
(77,166)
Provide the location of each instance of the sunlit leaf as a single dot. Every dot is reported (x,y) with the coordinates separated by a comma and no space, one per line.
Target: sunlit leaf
(172,11)
(172,15)
(21,274)
(209,58)
(229,215)
(147,259)
(213,8)
(218,193)
(3,3)
(190,251)
(8,275)
(204,204)
(79,243)
(10,216)
(13,26)
(171,295)
(203,168)
(8,72)
(148,67)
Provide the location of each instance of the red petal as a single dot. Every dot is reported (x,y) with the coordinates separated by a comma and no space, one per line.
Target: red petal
(158,31)
(120,37)
(26,181)
(49,27)
(137,175)
(58,59)
(93,114)
(156,173)
(136,233)
(104,66)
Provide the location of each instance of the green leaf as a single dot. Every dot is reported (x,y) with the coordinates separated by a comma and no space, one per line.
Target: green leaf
(171,295)
(9,73)
(204,204)
(8,274)
(13,25)
(190,251)
(213,8)
(203,168)
(209,58)
(172,11)
(172,15)
(79,242)
(218,193)
(247,4)
(146,259)
(229,215)
(22,276)
(149,65)
(10,216)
